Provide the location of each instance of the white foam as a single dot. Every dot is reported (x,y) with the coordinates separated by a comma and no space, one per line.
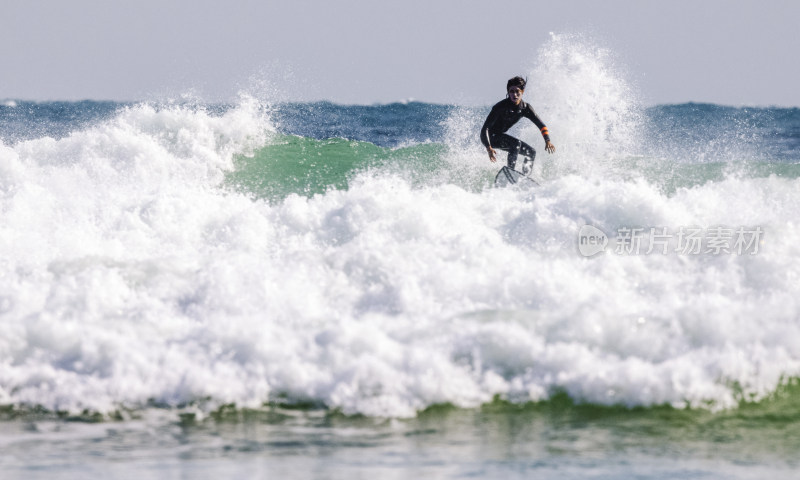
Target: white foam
(121,286)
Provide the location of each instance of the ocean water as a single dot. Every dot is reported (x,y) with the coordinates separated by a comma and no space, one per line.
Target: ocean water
(312,290)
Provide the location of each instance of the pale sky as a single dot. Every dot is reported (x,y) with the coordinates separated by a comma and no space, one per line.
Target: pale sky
(371,51)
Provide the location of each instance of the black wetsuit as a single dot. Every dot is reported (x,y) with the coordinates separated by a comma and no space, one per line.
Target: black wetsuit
(502,117)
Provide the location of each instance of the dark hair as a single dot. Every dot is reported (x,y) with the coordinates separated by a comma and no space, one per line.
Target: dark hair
(516,82)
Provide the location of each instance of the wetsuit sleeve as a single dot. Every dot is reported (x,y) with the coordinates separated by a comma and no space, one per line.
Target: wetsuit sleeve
(489,123)
(530,114)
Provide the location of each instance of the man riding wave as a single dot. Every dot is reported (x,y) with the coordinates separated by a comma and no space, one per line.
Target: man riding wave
(504,115)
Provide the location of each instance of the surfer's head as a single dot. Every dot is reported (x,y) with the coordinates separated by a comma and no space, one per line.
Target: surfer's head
(518,82)
(515,87)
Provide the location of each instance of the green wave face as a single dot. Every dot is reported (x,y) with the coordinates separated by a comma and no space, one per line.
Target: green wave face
(307,167)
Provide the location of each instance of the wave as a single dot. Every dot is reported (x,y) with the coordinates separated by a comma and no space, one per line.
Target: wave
(385,298)
(181,255)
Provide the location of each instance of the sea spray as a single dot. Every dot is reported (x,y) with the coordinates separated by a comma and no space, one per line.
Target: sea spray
(580,90)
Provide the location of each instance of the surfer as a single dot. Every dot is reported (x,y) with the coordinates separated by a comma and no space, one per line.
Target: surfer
(504,115)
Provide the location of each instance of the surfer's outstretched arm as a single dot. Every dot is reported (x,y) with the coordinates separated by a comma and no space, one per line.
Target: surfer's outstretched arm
(531,115)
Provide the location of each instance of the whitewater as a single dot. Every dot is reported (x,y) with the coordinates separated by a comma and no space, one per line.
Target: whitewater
(188,256)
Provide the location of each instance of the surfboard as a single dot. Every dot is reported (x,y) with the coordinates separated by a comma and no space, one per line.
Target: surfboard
(507,176)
